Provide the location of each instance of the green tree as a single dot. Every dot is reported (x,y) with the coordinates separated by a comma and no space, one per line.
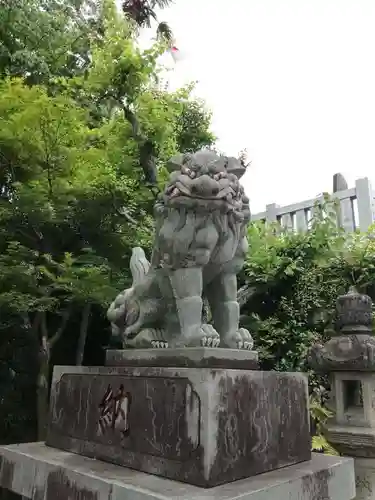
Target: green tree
(72,196)
(42,39)
(58,192)
(193,124)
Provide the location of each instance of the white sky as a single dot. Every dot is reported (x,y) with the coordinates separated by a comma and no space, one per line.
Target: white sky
(293,81)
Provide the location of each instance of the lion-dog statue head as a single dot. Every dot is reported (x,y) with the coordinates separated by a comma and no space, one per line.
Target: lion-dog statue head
(203,211)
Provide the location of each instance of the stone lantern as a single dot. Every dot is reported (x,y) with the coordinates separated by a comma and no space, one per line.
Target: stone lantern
(349,358)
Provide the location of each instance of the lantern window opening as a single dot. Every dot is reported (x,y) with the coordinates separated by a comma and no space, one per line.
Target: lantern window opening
(353,395)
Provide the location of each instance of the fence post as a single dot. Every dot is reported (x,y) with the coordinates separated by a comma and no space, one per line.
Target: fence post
(339,183)
(365,201)
(271,212)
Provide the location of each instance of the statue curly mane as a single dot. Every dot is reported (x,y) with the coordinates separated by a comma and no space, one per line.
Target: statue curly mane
(202,209)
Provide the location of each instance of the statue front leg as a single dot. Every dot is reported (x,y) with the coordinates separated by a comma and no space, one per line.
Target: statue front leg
(225,310)
(186,287)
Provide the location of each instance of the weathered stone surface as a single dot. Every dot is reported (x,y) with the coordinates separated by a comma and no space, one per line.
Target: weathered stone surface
(352,441)
(344,353)
(42,473)
(352,346)
(365,478)
(200,246)
(349,358)
(6,472)
(353,313)
(197,425)
(187,357)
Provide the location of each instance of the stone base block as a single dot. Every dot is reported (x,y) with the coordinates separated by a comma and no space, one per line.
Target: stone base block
(186,357)
(42,473)
(197,425)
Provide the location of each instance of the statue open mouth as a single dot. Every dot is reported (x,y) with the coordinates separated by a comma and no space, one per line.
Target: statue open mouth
(202,189)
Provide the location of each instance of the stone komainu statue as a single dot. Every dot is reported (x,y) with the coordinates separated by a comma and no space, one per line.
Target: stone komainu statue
(200,246)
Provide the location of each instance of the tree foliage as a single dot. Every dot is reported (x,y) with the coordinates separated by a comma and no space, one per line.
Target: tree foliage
(293,286)
(41,39)
(81,117)
(142,12)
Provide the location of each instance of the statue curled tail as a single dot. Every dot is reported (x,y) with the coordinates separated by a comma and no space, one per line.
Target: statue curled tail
(120,313)
(126,314)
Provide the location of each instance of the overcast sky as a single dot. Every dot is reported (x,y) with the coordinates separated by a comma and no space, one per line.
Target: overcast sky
(293,81)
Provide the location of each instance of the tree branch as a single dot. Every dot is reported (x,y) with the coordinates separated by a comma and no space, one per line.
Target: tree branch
(36,322)
(123,213)
(65,318)
(146,147)
(43,328)
(83,334)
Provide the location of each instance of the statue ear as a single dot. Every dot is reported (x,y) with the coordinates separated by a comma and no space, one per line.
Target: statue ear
(175,163)
(234,167)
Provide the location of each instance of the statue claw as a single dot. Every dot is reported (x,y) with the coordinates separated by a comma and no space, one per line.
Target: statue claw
(241,339)
(208,341)
(210,336)
(159,344)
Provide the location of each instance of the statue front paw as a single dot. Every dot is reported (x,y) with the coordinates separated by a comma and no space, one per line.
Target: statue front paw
(199,336)
(241,339)
(210,336)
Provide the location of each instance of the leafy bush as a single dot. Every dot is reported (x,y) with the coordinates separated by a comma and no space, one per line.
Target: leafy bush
(293,282)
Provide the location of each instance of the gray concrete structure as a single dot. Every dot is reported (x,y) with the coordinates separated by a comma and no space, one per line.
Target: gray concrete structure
(42,473)
(186,357)
(197,425)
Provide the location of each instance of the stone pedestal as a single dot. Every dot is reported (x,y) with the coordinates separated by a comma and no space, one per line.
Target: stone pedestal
(186,357)
(203,426)
(42,473)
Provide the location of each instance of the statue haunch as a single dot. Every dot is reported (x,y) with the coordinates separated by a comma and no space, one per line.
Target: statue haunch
(200,246)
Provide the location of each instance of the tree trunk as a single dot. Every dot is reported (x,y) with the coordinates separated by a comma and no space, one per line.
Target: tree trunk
(44,366)
(83,334)
(42,389)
